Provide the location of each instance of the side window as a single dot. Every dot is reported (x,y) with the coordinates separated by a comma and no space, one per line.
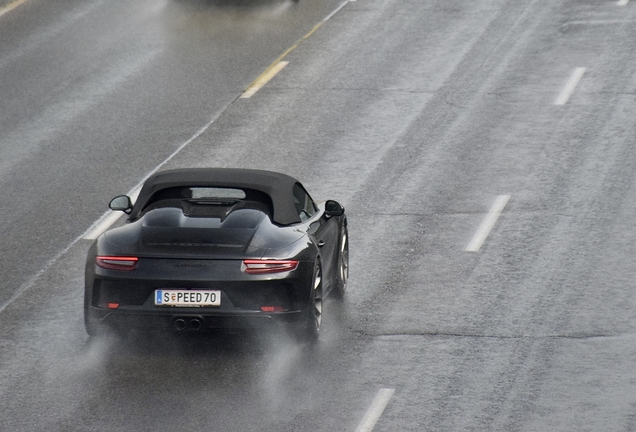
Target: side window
(304,204)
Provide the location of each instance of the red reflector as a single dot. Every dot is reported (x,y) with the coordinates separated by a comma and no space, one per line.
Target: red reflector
(272,308)
(112,305)
(117,262)
(268,266)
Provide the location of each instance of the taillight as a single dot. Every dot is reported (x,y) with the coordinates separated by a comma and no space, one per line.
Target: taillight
(256,267)
(272,309)
(117,262)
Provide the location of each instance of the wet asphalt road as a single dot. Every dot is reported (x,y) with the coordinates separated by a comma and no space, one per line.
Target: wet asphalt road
(418,116)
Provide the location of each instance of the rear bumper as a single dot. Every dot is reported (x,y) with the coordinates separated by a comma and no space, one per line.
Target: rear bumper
(195,319)
(126,300)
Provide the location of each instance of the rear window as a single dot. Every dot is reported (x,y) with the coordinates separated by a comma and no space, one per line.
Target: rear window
(206,194)
(197,201)
(214,193)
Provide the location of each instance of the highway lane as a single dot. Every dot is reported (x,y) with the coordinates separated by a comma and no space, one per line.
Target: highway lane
(417,118)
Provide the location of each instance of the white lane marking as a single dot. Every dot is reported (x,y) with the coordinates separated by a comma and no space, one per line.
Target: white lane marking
(263,79)
(489,222)
(103,224)
(8,8)
(622,2)
(343,4)
(602,22)
(570,86)
(375,410)
(28,284)
(108,218)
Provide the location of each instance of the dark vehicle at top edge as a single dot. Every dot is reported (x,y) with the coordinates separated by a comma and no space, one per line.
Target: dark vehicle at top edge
(217,248)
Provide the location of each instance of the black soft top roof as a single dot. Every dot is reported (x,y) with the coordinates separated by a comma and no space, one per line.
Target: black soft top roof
(278,186)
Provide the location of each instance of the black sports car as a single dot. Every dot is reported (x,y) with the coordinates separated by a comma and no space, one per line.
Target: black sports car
(217,248)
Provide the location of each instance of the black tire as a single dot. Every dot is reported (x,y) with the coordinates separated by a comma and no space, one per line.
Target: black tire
(94,329)
(342,275)
(91,330)
(90,327)
(310,332)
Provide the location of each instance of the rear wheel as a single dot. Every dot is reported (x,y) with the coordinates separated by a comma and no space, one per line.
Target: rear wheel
(311,330)
(91,327)
(343,265)
(94,329)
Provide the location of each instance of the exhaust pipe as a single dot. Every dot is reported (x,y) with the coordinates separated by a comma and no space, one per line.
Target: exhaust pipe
(195,324)
(180,324)
(192,323)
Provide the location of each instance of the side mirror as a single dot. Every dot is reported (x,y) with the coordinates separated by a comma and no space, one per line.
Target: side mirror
(333,208)
(121,203)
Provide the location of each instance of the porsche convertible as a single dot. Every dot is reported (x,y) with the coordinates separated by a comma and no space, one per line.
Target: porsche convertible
(217,248)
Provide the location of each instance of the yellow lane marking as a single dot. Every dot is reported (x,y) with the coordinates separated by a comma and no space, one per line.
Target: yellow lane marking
(265,77)
(275,67)
(8,8)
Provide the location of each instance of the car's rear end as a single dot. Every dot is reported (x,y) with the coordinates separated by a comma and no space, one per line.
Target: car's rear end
(196,294)
(170,271)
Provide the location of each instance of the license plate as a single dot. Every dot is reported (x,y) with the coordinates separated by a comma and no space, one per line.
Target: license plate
(191,298)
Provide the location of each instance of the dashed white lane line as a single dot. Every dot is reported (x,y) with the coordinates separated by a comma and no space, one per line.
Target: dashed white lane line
(375,410)
(567,91)
(489,222)
(622,2)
